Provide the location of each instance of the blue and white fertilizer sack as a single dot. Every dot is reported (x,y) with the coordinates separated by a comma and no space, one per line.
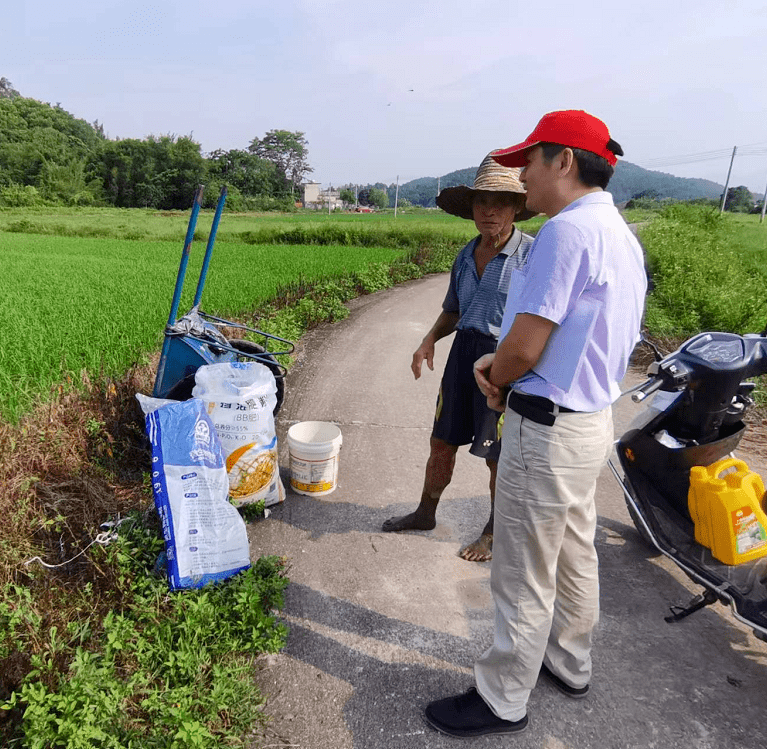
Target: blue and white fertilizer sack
(206,540)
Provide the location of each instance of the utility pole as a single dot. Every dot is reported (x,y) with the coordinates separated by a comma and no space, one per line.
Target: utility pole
(438,180)
(764,204)
(356,196)
(396,197)
(727,184)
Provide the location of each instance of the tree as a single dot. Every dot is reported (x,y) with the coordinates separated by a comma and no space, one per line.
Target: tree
(7,91)
(739,199)
(378,198)
(66,183)
(157,172)
(288,151)
(47,148)
(249,173)
(363,196)
(127,170)
(347,195)
(375,197)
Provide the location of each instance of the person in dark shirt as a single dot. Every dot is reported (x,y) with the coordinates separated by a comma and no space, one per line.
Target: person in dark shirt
(473,309)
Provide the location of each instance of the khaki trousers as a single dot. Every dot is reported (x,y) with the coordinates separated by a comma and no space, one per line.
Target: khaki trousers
(544,574)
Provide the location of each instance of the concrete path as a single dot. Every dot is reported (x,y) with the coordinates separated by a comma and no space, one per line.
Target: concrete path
(381,624)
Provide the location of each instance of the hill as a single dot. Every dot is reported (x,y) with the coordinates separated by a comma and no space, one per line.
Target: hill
(629,181)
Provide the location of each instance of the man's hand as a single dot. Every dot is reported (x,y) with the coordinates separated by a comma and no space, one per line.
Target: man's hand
(482,375)
(498,402)
(424,351)
(496,397)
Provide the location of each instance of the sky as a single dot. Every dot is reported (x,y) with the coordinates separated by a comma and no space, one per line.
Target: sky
(396,89)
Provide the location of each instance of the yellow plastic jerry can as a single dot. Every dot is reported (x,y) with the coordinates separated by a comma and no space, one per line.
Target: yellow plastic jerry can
(725,505)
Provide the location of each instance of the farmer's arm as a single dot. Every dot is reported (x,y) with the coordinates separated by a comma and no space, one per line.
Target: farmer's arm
(444,326)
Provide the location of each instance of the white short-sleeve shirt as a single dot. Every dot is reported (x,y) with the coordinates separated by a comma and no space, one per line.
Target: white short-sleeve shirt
(585,272)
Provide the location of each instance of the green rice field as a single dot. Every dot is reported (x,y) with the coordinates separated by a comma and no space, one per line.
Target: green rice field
(149,224)
(90,289)
(76,303)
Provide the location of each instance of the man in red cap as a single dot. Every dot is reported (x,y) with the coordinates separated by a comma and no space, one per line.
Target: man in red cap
(571,321)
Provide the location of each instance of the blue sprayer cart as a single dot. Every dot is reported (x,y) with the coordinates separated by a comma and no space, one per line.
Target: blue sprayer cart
(196,339)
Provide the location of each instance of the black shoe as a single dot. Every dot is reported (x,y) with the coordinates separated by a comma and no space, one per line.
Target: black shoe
(467,715)
(576,693)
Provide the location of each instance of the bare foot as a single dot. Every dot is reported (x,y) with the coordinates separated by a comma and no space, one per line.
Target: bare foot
(480,551)
(411,522)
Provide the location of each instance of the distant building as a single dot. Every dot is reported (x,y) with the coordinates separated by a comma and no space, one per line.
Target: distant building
(318,199)
(311,193)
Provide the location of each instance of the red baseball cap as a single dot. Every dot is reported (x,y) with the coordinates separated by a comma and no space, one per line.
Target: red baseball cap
(570,127)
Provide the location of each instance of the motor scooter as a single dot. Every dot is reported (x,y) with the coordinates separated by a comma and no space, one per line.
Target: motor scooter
(695,418)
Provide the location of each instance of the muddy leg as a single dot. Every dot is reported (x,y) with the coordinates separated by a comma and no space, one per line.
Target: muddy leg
(482,549)
(439,471)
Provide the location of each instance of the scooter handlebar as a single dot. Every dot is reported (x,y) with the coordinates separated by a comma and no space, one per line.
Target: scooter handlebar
(758,364)
(646,388)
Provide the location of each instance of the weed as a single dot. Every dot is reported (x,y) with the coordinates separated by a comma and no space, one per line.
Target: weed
(701,282)
(252,511)
(94,427)
(374,278)
(165,671)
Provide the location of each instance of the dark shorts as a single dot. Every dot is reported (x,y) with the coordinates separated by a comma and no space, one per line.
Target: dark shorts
(462,416)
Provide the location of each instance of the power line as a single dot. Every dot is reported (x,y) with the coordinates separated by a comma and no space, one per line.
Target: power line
(654,164)
(702,155)
(751,149)
(688,159)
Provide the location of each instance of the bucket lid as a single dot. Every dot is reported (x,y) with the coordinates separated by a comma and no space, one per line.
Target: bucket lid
(314,432)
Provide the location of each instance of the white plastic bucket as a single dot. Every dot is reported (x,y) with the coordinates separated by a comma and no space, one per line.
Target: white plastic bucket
(314,448)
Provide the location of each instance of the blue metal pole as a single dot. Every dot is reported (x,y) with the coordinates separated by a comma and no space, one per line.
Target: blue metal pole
(185,255)
(209,247)
(179,284)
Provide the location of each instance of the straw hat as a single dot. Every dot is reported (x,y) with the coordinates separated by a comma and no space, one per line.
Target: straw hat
(491,177)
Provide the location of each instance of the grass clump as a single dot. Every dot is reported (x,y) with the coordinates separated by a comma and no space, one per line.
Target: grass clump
(703,278)
(164,671)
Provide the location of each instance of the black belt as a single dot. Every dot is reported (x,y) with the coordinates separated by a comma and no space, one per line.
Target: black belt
(534,407)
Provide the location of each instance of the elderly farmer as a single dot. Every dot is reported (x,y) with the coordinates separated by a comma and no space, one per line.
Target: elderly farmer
(572,319)
(473,309)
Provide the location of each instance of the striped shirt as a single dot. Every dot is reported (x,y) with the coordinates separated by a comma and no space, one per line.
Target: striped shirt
(480,301)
